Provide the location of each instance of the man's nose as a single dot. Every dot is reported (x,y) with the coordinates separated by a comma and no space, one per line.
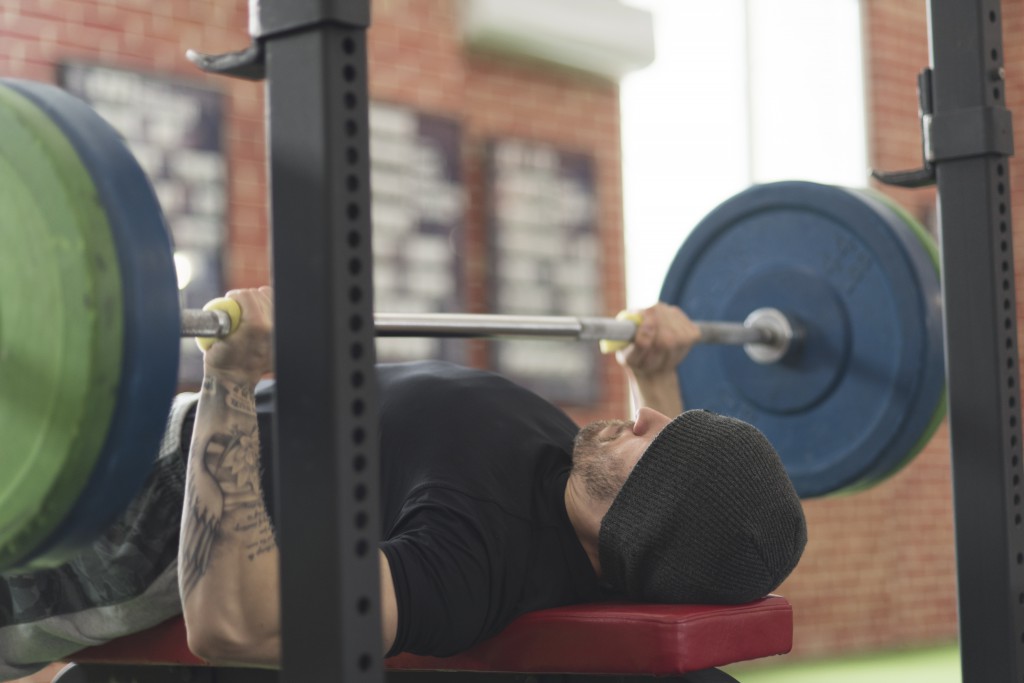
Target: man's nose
(648,419)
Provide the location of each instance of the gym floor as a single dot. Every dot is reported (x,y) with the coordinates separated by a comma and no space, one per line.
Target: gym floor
(928,665)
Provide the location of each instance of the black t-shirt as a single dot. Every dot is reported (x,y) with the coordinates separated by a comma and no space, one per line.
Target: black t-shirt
(473,471)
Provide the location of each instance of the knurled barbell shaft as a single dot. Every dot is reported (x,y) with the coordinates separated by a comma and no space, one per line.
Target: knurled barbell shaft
(198,323)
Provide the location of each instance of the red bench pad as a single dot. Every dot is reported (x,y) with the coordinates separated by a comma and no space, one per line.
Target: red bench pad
(165,643)
(661,640)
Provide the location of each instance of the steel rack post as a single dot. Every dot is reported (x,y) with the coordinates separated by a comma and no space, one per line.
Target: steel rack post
(326,420)
(969,140)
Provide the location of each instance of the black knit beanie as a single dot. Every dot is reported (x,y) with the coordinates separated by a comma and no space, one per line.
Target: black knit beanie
(708,515)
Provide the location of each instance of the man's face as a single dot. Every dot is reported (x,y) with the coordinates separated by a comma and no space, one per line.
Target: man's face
(605,452)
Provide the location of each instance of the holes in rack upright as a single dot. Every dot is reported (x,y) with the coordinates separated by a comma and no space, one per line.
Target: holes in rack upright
(1009,324)
(355,239)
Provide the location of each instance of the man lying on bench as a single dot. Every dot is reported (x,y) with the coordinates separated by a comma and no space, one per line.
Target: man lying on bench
(493,502)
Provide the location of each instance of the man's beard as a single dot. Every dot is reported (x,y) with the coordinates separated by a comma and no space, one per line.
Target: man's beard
(596,464)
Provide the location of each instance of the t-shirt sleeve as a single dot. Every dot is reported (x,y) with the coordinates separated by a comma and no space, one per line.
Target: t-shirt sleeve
(442,569)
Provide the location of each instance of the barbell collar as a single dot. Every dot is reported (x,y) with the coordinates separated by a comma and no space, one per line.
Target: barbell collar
(777,330)
(766,330)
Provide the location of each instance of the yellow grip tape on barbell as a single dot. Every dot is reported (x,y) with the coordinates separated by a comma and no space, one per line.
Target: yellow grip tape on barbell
(229,306)
(612,345)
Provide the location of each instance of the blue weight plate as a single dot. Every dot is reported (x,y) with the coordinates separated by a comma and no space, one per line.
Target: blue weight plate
(152,324)
(849,404)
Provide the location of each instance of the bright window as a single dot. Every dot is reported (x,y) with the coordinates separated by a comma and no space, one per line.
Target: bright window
(740,92)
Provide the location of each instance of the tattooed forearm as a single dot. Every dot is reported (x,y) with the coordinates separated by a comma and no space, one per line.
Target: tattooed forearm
(241,400)
(233,395)
(224,502)
(257,527)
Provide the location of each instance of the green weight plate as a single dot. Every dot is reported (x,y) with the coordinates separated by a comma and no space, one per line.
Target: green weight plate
(151,320)
(60,327)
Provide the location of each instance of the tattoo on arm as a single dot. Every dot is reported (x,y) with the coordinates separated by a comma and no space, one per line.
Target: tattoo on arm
(225,499)
(234,396)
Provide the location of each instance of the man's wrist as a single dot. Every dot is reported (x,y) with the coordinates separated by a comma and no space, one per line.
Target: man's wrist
(655,379)
(236,377)
(659,391)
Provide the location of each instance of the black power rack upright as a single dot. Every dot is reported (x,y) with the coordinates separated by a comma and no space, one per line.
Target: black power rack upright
(312,54)
(967,136)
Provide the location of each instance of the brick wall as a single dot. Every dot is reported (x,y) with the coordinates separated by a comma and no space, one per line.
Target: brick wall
(879,569)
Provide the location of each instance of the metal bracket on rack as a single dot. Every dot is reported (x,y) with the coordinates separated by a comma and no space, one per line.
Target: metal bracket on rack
(958,134)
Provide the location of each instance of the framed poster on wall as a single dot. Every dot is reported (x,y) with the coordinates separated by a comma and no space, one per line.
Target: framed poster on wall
(418,206)
(174,129)
(546,260)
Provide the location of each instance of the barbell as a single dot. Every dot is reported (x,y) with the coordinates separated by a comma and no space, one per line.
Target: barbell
(833,349)
(766,334)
